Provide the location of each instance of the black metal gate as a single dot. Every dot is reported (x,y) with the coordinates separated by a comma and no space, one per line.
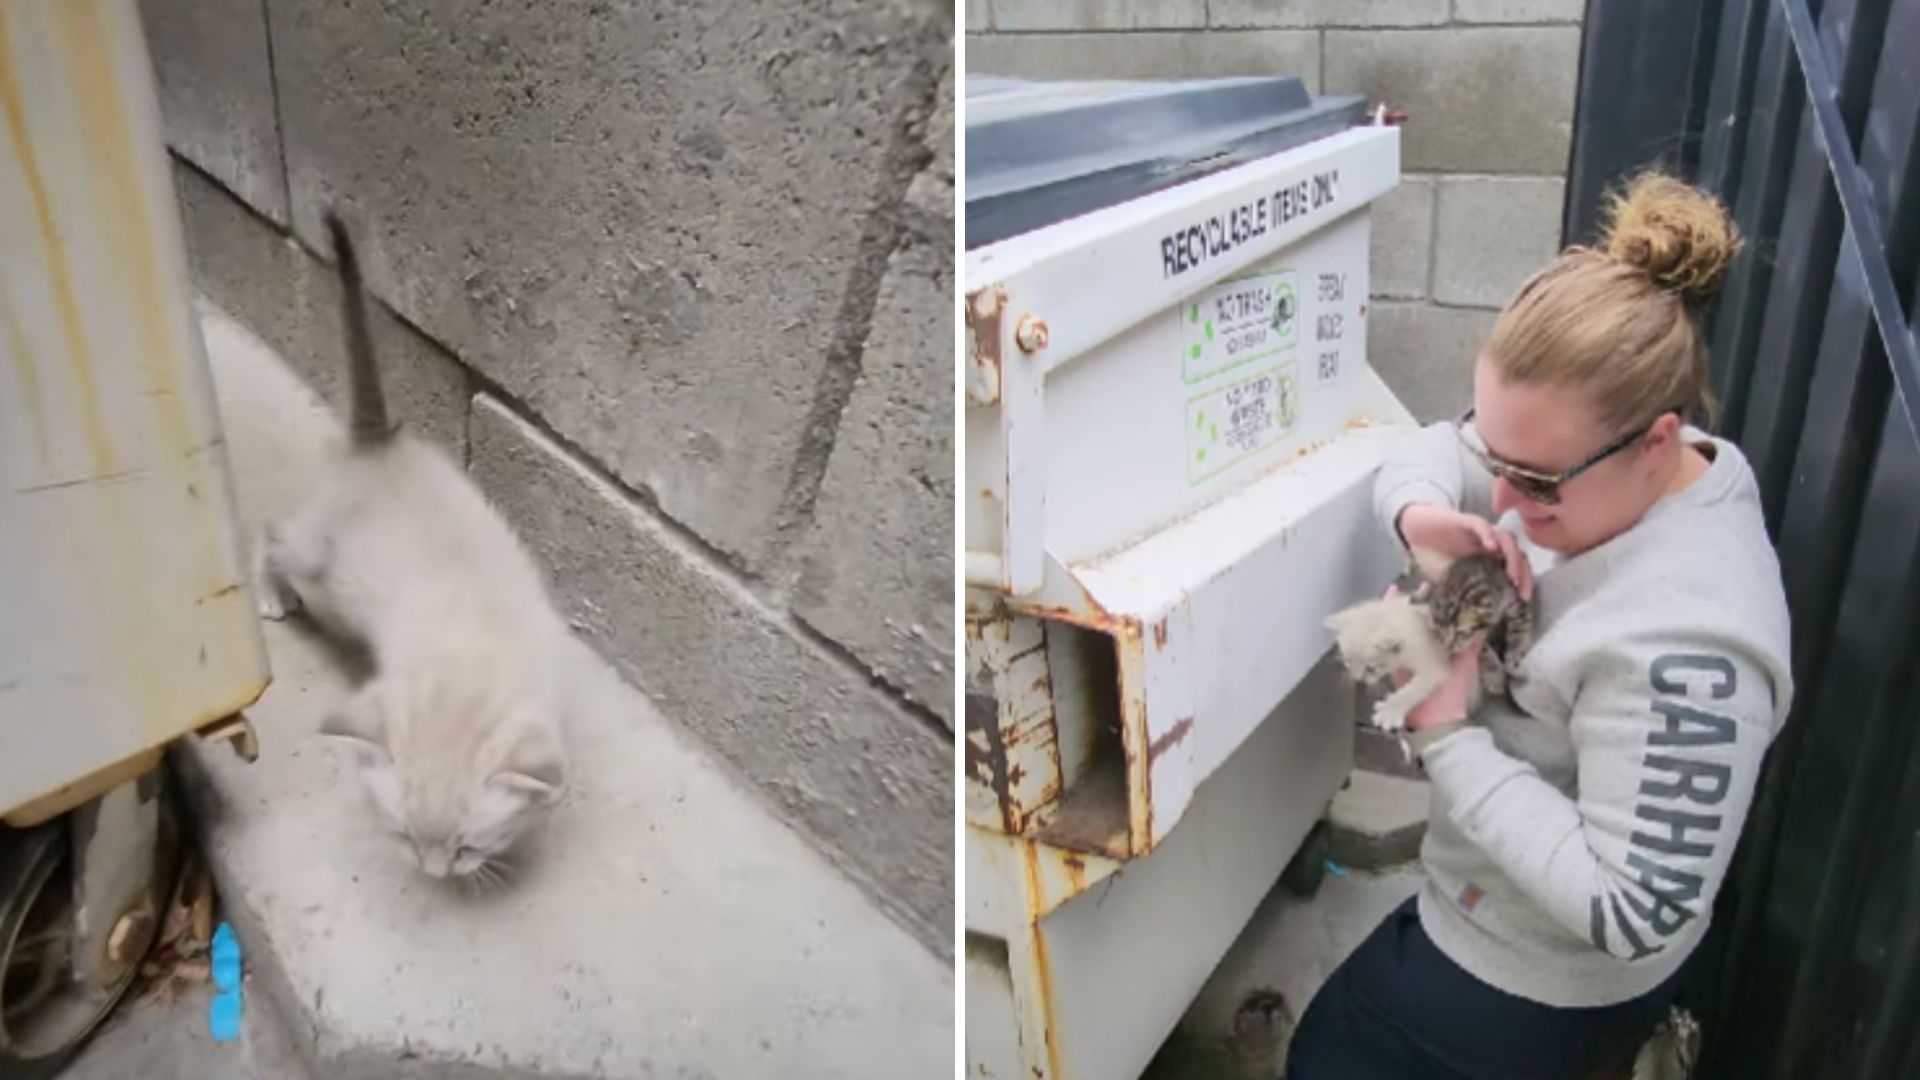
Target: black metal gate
(1805,117)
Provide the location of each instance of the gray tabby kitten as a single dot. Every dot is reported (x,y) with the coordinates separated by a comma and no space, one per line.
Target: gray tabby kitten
(458,729)
(1420,632)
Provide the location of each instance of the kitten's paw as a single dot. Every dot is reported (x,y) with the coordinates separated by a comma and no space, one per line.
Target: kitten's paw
(1389,720)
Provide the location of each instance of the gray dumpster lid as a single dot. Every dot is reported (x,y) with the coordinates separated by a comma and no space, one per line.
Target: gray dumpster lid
(1042,152)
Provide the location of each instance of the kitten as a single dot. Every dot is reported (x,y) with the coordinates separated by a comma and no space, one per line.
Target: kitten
(1421,632)
(458,729)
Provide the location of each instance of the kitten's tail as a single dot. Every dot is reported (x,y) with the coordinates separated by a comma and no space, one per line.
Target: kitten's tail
(367,424)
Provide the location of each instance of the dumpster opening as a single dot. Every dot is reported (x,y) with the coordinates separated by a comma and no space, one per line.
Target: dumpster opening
(1091,814)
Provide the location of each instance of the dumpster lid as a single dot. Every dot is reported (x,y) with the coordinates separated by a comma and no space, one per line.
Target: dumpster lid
(1040,152)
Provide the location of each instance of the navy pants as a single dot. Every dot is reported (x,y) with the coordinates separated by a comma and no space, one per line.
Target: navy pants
(1398,1009)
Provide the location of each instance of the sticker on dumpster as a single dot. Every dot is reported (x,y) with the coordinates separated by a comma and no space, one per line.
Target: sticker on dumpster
(1226,425)
(1330,324)
(1237,323)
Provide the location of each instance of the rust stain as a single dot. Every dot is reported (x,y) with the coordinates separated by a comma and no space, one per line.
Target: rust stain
(110,139)
(1133,742)
(1160,632)
(985,312)
(59,274)
(1042,967)
(1099,620)
(82,481)
(1169,738)
(987,759)
(224,590)
(128,617)
(29,374)
(1076,872)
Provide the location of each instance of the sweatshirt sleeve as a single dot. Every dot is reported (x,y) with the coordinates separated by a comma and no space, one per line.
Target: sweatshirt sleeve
(1431,466)
(1669,744)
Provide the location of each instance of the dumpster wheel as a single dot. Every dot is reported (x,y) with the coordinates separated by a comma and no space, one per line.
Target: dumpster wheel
(46,1013)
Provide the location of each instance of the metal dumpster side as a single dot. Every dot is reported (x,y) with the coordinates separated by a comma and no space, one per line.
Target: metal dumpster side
(1171,438)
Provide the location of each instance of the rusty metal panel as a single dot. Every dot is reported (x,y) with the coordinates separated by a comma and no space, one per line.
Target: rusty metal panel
(127,620)
(1088,965)
(1172,435)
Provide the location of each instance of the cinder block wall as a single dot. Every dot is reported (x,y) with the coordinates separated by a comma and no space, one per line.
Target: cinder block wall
(676,282)
(1488,86)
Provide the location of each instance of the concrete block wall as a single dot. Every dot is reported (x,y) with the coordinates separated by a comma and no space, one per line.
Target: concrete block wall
(1488,87)
(676,282)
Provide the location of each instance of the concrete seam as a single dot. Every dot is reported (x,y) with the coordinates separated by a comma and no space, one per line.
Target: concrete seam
(472,387)
(690,546)
(800,629)
(881,236)
(188,163)
(279,120)
(1433,237)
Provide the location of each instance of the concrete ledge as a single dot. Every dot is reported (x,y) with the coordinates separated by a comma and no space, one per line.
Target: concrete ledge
(663,924)
(1378,821)
(1377,751)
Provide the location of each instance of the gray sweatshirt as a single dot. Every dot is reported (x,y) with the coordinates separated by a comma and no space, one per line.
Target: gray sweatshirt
(1581,827)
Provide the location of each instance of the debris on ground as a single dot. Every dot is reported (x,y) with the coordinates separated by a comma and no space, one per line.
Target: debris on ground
(180,958)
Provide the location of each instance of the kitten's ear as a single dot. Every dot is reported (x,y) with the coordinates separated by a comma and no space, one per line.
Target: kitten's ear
(359,719)
(535,767)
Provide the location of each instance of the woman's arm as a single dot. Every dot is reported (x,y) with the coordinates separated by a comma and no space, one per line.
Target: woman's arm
(1670,741)
(1429,469)
(1430,466)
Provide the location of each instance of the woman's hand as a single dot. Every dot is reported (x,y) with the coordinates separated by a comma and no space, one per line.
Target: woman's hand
(1449,703)
(1438,537)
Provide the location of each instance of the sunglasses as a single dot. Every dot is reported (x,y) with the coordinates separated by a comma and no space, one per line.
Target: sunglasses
(1543,488)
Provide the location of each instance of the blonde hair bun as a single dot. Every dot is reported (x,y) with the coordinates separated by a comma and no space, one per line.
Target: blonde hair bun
(1680,236)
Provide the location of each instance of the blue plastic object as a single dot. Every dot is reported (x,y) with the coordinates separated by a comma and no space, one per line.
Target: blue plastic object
(223,1017)
(223,1013)
(1335,869)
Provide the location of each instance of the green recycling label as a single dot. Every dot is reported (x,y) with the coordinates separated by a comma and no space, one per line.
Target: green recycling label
(1237,322)
(1227,424)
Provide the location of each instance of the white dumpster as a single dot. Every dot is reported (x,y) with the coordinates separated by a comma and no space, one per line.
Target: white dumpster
(1171,436)
(126,621)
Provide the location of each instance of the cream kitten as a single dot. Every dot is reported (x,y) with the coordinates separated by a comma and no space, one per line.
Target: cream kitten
(1379,637)
(458,730)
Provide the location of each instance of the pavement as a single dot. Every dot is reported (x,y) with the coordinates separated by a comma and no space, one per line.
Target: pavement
(663,924)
